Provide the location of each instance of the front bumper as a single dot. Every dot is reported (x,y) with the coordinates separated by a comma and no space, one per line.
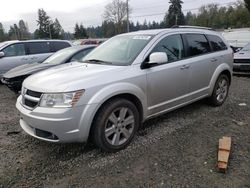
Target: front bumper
(241,65)
(56,124)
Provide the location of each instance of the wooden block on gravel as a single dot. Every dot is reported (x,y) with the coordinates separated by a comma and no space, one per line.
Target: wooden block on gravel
(223,153)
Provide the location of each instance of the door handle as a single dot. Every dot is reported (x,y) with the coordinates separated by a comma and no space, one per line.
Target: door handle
(33,58)
(214,60)
(185,67)
(24,59)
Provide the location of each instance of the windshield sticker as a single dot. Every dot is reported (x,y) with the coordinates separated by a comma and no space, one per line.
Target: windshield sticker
(142,37)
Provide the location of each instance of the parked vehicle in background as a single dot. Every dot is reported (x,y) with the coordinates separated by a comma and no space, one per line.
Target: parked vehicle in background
(130,78)
(237,38)
(242,60)
(16,53)
(89,41)
(14,78)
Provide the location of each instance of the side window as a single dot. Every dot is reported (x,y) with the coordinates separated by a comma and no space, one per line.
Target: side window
(172,45)
(55,46)
(81,54)
(216,43)
(197,44)
(38,47)
(14,50)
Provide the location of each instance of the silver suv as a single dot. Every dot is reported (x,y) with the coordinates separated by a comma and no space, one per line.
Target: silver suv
(128,79)
(16,53)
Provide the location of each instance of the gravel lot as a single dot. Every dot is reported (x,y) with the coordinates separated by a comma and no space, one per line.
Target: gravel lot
(178,149)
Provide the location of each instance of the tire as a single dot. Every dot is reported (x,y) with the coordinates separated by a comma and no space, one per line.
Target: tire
(115,125)
(220,91)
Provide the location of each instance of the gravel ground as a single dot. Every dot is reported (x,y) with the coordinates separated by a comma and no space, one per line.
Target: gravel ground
(178,149)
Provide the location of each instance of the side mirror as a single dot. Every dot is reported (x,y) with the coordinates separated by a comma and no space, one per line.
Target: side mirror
(2,54)
(158,58)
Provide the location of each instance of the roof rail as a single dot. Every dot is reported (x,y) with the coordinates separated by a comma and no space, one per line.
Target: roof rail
(191,27)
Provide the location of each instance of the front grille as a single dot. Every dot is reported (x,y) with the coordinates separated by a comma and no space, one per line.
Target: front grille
(33,93)
(29,103)
(31,98)
(241,60)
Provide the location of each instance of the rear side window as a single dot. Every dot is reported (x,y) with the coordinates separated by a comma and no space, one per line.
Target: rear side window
(172,45)
(38,47)
(55,46)
(197,44)
(216,43)
(14,50)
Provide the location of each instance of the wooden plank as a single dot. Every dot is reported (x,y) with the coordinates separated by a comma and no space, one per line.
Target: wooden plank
(224,152)
(223,156)
(225,143)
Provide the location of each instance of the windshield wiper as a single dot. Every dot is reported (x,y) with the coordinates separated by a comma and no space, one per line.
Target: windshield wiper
(98,61)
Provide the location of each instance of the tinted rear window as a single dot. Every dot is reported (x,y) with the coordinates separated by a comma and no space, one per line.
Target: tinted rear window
(38,47)
(216,43)
(55,46)
(197,44)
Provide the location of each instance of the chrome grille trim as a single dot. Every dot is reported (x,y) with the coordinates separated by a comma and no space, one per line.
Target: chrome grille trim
(26,98)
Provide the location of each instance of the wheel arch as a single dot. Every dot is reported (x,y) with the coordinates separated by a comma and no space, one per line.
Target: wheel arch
(120,90)
(222,69)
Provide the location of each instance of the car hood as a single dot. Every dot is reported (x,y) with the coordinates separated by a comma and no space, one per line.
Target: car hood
(242,55)
(27,69)
(71,77)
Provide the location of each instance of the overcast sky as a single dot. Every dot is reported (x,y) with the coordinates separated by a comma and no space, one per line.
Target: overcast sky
(87,12)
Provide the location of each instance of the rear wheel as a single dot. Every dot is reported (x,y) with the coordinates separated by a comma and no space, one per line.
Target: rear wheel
(115,125)
(220,91)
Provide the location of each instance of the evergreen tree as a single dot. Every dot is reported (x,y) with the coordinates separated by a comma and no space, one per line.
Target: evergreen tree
(57,31)
(44,23)
(2,34)
(24,33)
(247,4)
(174,15)
(77,31)
(80,32)
(83,32)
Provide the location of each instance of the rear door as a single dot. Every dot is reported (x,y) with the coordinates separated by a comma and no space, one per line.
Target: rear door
(38,51)
(219,52)
(200,56)
(15,55)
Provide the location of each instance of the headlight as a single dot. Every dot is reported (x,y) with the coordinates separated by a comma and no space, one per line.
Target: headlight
(60,100)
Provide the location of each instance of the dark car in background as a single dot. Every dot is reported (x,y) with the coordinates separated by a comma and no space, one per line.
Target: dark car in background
(16,53)
(242,60)
(15,77)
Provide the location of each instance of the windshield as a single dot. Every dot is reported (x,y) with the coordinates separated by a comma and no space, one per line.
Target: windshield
(246,48)
(120,50)
(60,56)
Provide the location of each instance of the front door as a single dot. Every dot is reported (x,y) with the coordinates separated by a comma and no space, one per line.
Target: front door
(168,83)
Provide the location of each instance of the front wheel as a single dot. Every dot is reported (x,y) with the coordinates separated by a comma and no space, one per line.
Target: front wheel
(115,125)
(220,91)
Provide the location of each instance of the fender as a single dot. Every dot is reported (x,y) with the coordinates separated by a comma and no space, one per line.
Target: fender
(216,74)
(102,96)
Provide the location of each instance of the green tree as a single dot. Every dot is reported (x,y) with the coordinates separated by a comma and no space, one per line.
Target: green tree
(108,29)
(2,33)
(247,4)
(24,32)
(190,18)
(80,32)
(175,16)
(14,32)
(44,25)
(57,31)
